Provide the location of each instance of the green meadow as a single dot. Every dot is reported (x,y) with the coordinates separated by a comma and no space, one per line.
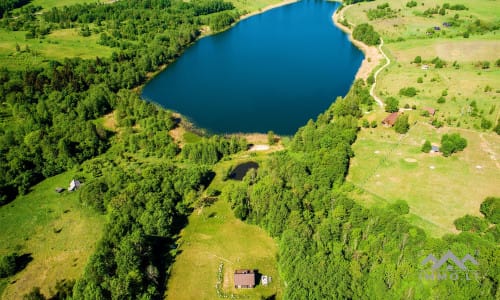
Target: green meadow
(388,166)
(53,230)
(55,46)
(214,236)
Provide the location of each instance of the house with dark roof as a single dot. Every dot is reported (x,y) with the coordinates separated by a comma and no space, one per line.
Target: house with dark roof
(390,120)
(244,279)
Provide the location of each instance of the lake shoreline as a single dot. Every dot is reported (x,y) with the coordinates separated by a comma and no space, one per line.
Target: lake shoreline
(190,125)
(264,9)
(151,75)
(371,53)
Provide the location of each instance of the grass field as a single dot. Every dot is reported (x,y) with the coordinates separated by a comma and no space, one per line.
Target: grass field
(58,44)
(48,4)
(254,5)
(54,230)
(388,167)
(213,235)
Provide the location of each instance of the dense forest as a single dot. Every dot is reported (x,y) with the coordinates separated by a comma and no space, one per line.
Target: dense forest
(53,107)
(333,248)
(330,247)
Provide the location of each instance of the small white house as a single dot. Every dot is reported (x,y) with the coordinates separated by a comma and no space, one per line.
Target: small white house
(74,184)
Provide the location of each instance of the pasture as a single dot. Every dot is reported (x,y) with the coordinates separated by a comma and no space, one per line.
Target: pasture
(388,167)
(53,231)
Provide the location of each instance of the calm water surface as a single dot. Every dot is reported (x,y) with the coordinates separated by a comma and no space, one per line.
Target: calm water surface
(273,71)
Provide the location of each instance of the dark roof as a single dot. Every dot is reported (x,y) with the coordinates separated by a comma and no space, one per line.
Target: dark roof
(391,119)
(244,278)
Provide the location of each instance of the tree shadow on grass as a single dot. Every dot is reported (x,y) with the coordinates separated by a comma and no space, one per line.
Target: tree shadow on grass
(22,261)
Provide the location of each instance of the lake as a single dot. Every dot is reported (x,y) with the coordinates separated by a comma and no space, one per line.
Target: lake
(273,71)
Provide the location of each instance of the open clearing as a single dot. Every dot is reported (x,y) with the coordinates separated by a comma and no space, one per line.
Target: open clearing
(55,46)
(212,236)
(388,166)
(54,230)
(438,189)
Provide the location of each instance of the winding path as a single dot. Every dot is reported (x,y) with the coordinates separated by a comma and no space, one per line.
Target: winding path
(388,62)
(358,43)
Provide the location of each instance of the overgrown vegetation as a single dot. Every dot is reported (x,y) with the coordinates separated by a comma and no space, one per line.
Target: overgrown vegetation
(330,246)
(366,34)
(58,103)
(451,143)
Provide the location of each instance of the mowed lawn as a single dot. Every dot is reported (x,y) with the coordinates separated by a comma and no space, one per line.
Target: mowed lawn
(388,167)
(54,230)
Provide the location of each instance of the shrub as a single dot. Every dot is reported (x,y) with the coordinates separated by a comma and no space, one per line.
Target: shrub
(418,59)
(451,143)
(8,265)
(366,124)
(366,34)
(400,207)
(408,92)
(490,208)
(370,80)
(420,80)
(471,223)
(441,100)
(391,105)
(426,147)
(373,124)
(402,126)
(486,124)
(411,4)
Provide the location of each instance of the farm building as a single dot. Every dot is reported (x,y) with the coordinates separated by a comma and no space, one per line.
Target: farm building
(74,184)
(431,110)
(391,119)
(244,279)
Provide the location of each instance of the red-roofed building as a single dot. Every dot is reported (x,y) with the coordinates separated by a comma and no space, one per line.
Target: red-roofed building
(390,120)
(244,279)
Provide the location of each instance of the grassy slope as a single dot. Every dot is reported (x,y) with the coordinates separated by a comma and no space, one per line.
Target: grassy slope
(29,225)
(214,235)
(58,44)
(456,186)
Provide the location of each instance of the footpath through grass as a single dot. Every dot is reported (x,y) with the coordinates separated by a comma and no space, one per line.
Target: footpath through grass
(52,230)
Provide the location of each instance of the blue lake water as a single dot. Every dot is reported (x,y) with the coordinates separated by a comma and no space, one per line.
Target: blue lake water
(273,71)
